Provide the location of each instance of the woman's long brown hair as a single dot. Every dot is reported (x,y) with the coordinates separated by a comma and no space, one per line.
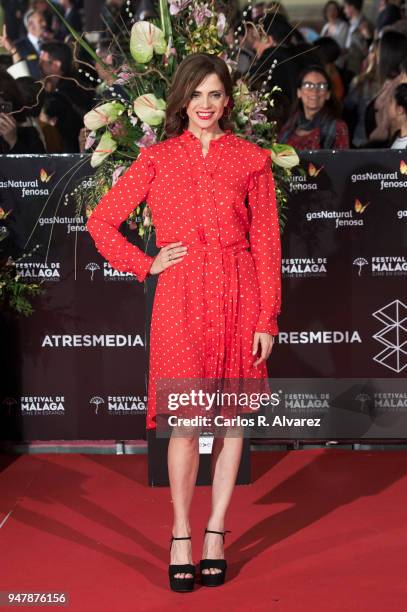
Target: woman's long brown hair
(190,73)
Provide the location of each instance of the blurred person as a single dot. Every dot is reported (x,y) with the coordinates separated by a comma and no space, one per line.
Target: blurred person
(367,31)
(403,70)
(275,44)
(50,17)
(329,52)
(32,95)
(355,45)
(231,10)
(60,125)
(72,17)
(363,89)
(116,21)
(29,47)
(258,10)
(315,122)
(400,26)
(93,11)
(388,14)
(13,17)
(276,7)
(16,136)
(244,54)
(398,116)
(56,62)
(335,25)
(7,44)
(392,52)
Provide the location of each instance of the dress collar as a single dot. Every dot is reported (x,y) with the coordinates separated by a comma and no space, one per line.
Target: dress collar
(188,135)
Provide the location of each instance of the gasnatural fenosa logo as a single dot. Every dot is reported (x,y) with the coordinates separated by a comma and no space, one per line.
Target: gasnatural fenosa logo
(313,170)
(36,187)
(342,218)
(44,176)
(385,180)
(302,182)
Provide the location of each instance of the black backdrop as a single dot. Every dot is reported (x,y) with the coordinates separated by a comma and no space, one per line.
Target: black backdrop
(77,368)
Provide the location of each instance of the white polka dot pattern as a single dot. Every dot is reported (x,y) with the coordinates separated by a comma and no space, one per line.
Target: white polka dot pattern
(223,207)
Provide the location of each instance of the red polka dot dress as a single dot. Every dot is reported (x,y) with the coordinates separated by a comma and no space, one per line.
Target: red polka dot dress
(222,206)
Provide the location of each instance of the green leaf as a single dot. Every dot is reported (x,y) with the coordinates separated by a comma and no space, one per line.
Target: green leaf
(165,19)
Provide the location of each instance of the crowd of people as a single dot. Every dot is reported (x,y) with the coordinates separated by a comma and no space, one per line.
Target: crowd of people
(341,87)
(344,86)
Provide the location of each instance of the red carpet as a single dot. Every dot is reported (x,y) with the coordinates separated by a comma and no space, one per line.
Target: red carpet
(318,530)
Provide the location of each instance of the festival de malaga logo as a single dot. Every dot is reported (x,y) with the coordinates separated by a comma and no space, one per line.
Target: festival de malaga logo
(119,405)
(109,273)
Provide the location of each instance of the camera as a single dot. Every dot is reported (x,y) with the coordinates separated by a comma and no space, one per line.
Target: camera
(5,107)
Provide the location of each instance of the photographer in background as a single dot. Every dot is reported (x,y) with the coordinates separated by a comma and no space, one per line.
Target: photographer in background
(15,135)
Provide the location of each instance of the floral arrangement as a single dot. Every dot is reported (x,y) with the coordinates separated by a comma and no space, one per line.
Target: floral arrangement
(132,115)
(14,292)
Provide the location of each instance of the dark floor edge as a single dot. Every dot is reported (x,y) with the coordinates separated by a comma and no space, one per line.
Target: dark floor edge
(139,447)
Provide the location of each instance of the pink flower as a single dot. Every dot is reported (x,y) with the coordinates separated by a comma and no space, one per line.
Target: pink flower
(149,137)
(117,129)
(90,140)
(170,51)
(146,217)
(123,77)
(116,174)
(258,117)
(231,64)
(200,13)
(221,24)
(177,5)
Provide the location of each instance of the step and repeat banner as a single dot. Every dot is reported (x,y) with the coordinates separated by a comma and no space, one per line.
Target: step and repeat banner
(76,369)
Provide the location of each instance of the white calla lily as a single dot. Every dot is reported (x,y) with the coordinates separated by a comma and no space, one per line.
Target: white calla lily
(103,115)
(150,109)
(284,156)
(105,147)
(145,40)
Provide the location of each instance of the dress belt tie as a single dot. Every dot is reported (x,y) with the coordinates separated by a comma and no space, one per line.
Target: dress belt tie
(221,278)
(221,294)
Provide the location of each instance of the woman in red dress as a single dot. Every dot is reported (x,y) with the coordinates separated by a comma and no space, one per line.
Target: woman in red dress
(212,198)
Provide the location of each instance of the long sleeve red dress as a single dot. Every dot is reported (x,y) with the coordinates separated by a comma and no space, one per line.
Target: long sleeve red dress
(222,206)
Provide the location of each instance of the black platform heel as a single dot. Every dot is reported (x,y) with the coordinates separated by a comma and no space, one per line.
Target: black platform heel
(181,585)
(220,564)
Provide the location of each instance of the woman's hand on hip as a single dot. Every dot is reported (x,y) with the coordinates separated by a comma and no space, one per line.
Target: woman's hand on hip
(266,342)
(169,255)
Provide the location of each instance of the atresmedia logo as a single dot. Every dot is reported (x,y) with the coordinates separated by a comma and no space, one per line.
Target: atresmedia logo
(393,336)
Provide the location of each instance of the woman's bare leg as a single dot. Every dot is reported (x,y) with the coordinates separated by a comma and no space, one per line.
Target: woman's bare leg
(183,463)
(226,454)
